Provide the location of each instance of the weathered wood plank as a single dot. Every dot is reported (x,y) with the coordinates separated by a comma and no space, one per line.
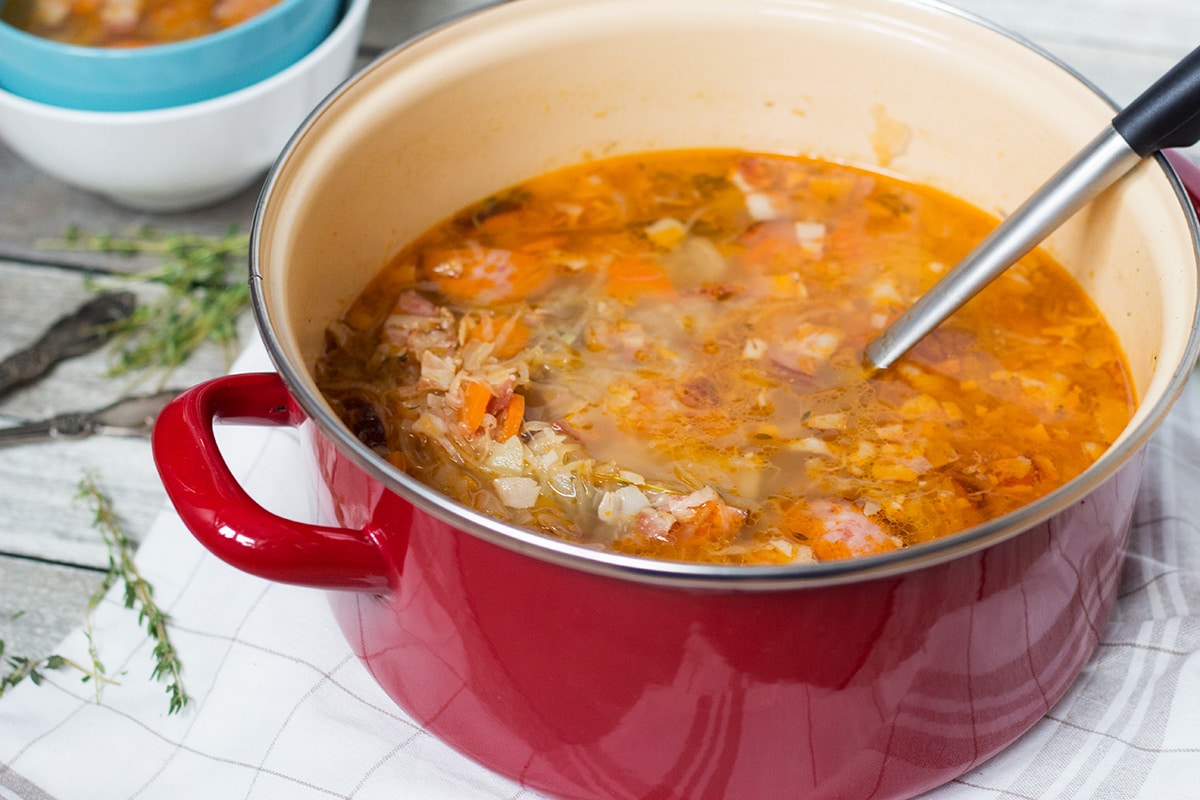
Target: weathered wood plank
(38,515)
(35,207)
(1121,46)
(31,298)
(389,23)
(40,519)
(40,604)
(1156,27)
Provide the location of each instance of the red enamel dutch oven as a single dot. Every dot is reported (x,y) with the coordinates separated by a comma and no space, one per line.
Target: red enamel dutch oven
(587,674)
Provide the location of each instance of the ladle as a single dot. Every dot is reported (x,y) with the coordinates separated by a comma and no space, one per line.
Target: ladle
(1165,115)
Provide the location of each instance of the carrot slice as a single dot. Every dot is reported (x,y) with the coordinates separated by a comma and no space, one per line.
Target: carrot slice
(476,396)
(509,335)
(514,415)
(483,274)
(543,244)
(511,338)
(631,278)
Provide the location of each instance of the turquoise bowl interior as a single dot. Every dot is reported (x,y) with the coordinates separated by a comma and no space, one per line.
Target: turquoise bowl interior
(161,76)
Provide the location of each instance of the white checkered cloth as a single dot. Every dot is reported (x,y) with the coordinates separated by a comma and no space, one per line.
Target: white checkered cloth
(282,709)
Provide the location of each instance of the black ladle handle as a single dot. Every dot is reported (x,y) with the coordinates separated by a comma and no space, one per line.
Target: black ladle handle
(1165,115)
(1168,113)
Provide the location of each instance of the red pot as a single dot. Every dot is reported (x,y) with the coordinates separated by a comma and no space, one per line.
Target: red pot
(589,674)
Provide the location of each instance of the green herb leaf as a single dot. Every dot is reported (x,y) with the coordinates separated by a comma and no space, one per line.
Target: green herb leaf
(21,667)
(205,285)
(138,594)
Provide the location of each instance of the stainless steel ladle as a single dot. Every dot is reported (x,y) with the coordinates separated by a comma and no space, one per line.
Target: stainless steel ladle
(1165,115)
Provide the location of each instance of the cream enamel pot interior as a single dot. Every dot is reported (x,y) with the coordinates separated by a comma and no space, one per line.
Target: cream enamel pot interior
(585,674)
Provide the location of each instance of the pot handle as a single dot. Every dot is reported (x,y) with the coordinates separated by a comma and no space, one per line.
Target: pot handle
(224,518)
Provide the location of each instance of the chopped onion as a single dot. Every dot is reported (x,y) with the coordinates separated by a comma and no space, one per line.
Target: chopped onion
(667,232)
(629,476)
(507,458)
(832,421)
(754,349)
(695,262)
(436,372)
(886,293)
(517,492)
(811,236)
(760,207)
(622,505)
(812,444)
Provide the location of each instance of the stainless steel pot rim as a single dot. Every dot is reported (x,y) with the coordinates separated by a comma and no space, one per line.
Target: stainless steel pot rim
(710,576)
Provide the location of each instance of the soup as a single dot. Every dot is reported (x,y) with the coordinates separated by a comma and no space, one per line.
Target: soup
(128,23)
(661,355)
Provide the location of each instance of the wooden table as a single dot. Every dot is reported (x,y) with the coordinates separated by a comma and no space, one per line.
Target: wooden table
(51,559)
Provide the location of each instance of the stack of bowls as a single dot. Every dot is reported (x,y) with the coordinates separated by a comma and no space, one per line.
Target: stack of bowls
(169,127)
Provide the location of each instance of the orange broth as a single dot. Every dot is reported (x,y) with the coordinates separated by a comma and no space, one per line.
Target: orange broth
(128,23)
(661,355)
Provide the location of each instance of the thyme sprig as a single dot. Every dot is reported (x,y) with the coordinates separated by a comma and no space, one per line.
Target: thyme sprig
(22,667)
(138,594)
(205,290)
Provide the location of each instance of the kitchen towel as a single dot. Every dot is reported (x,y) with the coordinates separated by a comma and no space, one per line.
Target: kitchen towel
(280,708)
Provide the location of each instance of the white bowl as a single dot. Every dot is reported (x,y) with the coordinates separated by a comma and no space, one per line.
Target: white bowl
(188,156)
